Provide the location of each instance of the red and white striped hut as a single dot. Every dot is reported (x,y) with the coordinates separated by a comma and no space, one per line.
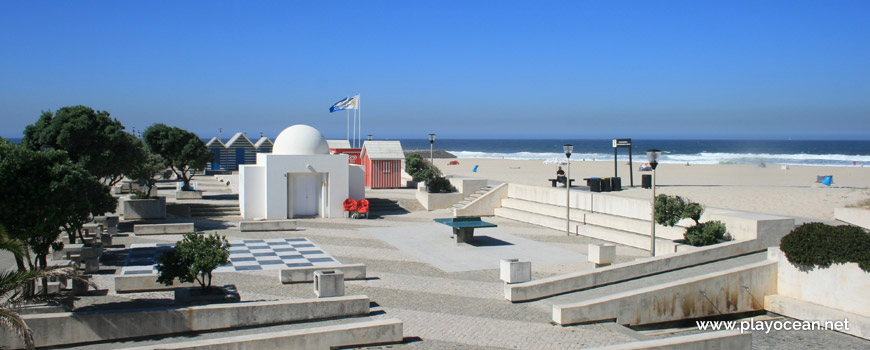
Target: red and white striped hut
(383,162)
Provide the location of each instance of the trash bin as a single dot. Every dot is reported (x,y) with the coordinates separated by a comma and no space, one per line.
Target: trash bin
(605,184)
(594,184)
(646,181)
(615,184)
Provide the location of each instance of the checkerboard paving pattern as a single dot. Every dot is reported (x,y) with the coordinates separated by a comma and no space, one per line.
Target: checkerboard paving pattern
(245,255)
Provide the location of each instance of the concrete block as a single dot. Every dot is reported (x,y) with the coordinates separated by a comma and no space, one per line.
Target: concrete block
(92,229)
(703,341)
(515,271)
(306,274)
(328,283)
(854,216)
(601,254)
(92,251)
(339,336)
(135,209)
(106,240)
(144,283)
(50,288)
(163,229)
(267,225)
(181,195)
(80,287)
(103,326)
(858,325)
(217,294)
(92,265)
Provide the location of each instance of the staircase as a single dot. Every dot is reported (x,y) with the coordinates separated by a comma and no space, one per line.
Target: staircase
(477,194)
(214,210)
(380,206)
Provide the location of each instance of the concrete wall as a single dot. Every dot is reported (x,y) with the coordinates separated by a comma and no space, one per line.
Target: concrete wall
(486,204)
(134,209)
(318,338)
(850,323)
(467,185)
(702,341)
(356,182)
(252,191)
(306,274)
(435,201)
(736,290)
(555,285)
(143,283)
(80,327)
(842,287)
(854,216)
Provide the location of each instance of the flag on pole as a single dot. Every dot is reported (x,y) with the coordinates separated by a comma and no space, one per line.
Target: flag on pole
(341,105)
(353,103)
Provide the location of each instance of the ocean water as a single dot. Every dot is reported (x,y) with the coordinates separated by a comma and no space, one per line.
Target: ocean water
(792,152)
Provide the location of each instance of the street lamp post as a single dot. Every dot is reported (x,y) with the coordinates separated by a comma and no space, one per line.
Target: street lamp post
(568,150)
(431,148)
(653,157)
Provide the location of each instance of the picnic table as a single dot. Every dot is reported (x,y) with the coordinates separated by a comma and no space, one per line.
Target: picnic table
(463,228)
(555,181)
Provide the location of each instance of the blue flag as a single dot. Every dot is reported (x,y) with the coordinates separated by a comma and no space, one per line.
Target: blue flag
(340,105)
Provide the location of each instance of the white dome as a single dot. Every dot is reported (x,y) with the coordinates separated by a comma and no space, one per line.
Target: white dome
(300,140)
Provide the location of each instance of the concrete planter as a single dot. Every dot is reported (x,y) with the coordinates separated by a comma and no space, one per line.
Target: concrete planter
(188,195)
(216,295)
(435,201)
(154,208)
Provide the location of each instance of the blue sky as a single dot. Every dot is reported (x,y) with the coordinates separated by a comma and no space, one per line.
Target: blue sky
(572,69)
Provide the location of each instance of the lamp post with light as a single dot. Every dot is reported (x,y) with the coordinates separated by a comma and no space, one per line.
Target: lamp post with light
(431,148)
(653,157)
(568,149)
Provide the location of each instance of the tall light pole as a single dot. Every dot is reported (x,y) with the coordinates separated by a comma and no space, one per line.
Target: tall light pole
(653,157)
(431,148)
(568,150)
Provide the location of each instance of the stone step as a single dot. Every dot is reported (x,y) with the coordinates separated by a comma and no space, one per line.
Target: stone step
(605,234)
(621,223)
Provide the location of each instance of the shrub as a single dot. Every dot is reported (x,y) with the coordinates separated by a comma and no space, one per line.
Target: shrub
(706,233)
(672,209)
(815,244)
(421,170)
(193,259)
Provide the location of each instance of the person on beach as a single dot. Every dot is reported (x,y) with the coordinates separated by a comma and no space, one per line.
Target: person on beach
(560,176)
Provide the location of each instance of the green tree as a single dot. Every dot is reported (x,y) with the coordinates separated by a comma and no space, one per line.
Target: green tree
(90,138)
(43,192)
(147,171)
(183,151)
(672,209)
(421,170)
(15,287)
(193,259)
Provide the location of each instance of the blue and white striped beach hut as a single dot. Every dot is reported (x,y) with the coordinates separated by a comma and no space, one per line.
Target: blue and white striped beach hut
(220,153)
(240,150)
(263,145)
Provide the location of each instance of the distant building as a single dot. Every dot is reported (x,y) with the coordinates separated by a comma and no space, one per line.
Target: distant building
(337,144)
(383,163)
(239,150)
(220,153)
(298,179)
(263,145)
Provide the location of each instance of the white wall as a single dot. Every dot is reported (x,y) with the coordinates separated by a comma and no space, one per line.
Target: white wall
(252,191)
(277,167)
(356,182)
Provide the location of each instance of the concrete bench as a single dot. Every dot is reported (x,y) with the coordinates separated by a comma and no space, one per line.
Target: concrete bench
(555,181)
(267,225)
(163,229)
(306,274)
(463,228)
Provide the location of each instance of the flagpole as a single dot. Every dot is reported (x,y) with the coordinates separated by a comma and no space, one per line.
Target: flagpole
(347,116)
(353,144)
(359,107)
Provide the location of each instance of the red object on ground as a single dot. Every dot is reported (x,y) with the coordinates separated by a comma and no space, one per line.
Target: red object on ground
(453,162)
(363,207)
(350,204)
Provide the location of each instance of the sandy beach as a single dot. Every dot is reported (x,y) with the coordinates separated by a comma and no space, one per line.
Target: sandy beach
(771,189)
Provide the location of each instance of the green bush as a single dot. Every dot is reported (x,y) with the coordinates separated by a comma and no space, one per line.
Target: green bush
(672,209)
(193,259)
(421,170)
(816,245)
(706,233)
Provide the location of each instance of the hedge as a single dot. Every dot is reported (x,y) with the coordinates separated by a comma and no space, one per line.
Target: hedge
(817,245)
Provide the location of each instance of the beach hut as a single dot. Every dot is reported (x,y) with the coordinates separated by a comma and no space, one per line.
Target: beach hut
(240,150)
(220,152)
(337,144)
(383,163)
(263,145)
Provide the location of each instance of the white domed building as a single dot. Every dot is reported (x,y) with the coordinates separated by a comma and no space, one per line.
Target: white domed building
(298,179)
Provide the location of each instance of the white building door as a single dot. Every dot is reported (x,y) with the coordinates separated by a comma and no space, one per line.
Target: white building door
(304,194)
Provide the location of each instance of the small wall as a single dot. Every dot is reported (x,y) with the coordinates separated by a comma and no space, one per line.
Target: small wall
(144,283)
(466,185)
(326,337)
(737,290)
(435,201)
(252,191)
(486,204)
(306,274)
(701,341)
(848,322)
(854,216)
(135,209)
(80,327)
(356,182)
(560,284)
(842,287)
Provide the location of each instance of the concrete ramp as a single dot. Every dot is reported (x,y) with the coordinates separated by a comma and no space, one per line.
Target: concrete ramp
(709,293)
